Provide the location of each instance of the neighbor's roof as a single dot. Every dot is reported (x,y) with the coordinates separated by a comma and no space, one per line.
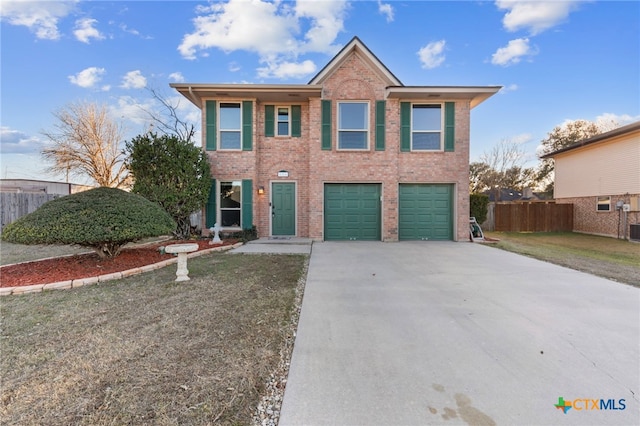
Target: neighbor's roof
(603,137)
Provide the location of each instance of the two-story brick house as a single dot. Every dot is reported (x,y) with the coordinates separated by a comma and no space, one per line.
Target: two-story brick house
(353,154)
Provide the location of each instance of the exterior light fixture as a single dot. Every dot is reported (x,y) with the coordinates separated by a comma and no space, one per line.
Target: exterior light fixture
(261,190)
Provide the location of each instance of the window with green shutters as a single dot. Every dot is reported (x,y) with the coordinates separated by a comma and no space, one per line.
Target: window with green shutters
(234,202)
(282,120)
(425,127)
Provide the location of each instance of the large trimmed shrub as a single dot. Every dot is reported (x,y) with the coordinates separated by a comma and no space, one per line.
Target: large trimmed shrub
(171,172)
(479,207)
(103,219)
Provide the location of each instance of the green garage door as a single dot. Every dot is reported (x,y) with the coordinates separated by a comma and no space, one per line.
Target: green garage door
(352,211)
(425,212)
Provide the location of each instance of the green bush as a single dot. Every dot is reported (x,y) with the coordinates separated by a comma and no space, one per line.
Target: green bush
(478,206)
(103,219)
(245,235)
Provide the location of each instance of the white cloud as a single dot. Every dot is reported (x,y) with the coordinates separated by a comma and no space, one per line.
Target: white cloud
(16,142)
(177,77)
(508,88)
(512,52)
(536,16)
(88,77)
(40,17)
(287,69)
(432,55)
(386,10)
(85,31)
(277,31)
(234,66)
(133,80)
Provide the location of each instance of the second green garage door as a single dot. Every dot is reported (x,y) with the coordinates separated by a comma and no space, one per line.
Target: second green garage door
(425,212)
(352,211)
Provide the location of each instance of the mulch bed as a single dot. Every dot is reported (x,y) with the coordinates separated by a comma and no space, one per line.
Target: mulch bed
(90,265)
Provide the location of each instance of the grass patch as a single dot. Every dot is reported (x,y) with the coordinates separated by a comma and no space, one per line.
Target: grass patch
(148,350)
(611,258)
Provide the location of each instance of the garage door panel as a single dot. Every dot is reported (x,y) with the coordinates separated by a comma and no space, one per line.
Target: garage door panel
(425,212)
(352,211)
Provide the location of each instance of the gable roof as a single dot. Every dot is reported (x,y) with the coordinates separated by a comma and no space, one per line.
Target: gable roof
(356,45)
(196,92)
(620,131)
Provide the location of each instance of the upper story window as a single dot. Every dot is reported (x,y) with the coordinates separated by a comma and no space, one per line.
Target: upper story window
(426,127)
(283,121)
(230,126)
(603,204)
(353,125)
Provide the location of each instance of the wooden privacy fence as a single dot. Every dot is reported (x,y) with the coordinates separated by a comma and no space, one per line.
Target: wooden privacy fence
(533,217)
(15,205)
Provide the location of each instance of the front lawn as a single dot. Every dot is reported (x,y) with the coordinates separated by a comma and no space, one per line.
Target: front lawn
(148,350)
(611,258)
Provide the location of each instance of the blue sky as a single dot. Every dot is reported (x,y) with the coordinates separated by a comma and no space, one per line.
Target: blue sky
(558,60)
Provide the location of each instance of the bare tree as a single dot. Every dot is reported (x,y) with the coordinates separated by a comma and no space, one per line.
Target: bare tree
(86,142)
(501,167)
(167,121)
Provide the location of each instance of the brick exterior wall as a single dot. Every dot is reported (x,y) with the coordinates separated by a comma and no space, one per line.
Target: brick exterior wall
(310,167)
(588,220)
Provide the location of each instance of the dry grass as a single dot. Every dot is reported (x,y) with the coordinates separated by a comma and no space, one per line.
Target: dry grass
(610,258)
(148,350)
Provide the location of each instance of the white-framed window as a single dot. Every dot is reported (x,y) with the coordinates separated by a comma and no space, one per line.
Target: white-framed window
(283,121)
(603,204)
(353,125)
(230,125)
(230,203)
(426,127)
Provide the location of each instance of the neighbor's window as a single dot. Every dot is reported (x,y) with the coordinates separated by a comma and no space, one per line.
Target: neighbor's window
(426,127)
(604,204)
(353,125)
(230,125)
(283,121)
(230,203)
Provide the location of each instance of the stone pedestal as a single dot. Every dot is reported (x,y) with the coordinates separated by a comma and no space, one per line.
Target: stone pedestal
(182,273)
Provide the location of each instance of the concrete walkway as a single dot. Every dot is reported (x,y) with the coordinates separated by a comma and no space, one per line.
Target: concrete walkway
(277,245)
(419,333)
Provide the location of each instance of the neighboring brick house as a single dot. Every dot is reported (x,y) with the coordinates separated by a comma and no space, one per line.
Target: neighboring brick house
(600,176)
(353,155)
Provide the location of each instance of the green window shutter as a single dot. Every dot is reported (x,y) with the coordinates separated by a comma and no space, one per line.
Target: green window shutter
(247,125)
(211,214)
(210,111)
(269,120)
(380,128)
(449,126)
(247,204)
(296,121)
(326,124)
(405,126)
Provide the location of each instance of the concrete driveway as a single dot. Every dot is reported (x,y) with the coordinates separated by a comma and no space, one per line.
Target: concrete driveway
(418,333)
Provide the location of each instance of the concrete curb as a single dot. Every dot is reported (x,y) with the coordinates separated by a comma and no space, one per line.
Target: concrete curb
(81,282)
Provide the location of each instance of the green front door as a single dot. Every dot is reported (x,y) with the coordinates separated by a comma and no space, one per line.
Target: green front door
(425,212)
(352,211)
(283,208)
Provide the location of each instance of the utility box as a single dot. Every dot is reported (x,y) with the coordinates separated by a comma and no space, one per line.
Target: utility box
(634,204)
(634,231)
